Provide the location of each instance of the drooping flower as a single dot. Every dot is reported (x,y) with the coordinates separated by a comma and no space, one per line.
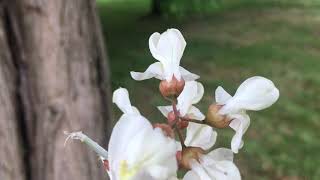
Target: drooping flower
(255,93)
(168,49)
(217,164)
(133,151)
(191,94)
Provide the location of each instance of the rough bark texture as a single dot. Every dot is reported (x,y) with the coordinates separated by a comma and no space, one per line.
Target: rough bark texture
(57,46)
(11,152)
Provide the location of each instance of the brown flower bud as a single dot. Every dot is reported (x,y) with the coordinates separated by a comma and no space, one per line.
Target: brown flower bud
(182,124)
(171,88)
(171,118)
(106,165)
(167,130)
(188,154)
(215,119)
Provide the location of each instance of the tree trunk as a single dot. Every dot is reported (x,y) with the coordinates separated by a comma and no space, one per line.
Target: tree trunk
(61,68)
(11,152)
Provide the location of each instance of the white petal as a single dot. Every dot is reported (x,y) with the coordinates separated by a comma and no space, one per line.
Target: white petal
(216,169)
(199,94)
(200,171)
(240,124)
(222,96)
(188,76)
(255,93)
(191,175)
(121,99)
(195,113)
(136,142)
(154,70)
(153,43)
(199,135)
(221,154)
(225,170)
(127,127)
(165,110)
(191,94)
(178,145)
(168,49)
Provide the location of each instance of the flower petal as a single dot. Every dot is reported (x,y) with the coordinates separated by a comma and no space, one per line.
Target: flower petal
(168,49)
(199,94)
(153,43)
(195,113)
(199,135)
(188,76)
(135,142)
(225,170)
(191,94)
(200,171)
(221,154)
(240,124)
(222,96)
(121,99)
(127,127)
(216,169)
(154,70)
(191,175)
(257,93)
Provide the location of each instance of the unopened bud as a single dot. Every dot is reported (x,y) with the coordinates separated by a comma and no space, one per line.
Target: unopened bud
(166,129)
(171,88)
(179,155)
(171,118)
(189,154)
(106,165)
(182,124)
(215,119)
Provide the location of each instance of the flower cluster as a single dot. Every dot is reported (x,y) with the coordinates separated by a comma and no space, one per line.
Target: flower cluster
(139,150)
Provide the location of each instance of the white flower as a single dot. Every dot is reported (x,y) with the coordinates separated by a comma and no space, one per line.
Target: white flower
(168,49)
(121,99)
(191,94)
(133,151)
(216,165)
(255,93)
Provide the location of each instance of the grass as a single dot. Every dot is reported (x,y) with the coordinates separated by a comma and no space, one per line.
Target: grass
(278,40)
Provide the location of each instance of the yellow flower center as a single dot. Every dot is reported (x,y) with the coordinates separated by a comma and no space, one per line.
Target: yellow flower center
(125,172)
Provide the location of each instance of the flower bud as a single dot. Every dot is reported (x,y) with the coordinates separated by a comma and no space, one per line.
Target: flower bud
(179,155)
(167,130)
(171,117)
(215,119)
(188,154)
(182,124)
(106,165)
(171,88)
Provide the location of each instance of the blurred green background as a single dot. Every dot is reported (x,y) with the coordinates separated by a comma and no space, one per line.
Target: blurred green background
(227,42)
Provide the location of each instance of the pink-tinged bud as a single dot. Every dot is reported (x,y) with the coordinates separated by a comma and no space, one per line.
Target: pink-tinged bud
(171,88)
(171,118)
(182,124)
(167,130)
(215,119)
(106,165)
(179,155)
(188,154)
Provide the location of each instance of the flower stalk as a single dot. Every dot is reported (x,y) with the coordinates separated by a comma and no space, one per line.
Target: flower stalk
(89,142)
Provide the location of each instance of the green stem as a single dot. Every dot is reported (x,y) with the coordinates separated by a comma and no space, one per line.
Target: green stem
(89,142)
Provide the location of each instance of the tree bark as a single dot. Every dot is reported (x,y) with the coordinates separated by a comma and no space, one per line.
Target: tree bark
(63,77)
(11,152)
